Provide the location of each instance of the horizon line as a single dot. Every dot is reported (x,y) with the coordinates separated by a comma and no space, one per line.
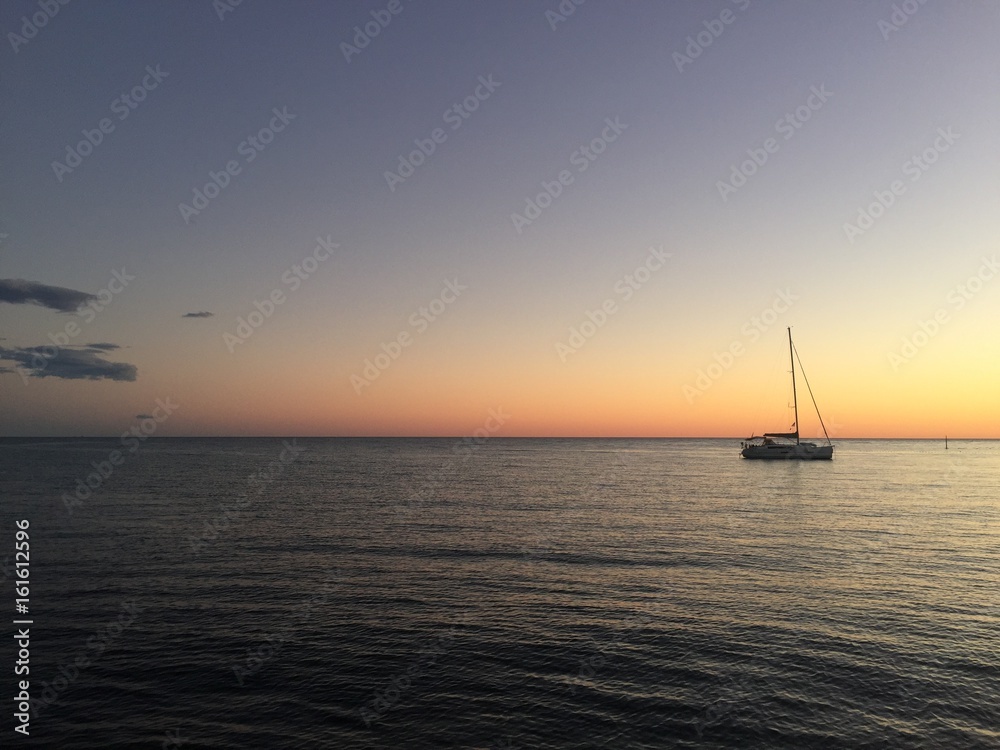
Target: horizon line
(460,437)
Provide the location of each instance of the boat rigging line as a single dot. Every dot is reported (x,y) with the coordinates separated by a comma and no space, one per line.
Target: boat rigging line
(809,388)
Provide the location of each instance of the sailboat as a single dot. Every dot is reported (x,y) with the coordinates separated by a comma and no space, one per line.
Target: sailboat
(780,444)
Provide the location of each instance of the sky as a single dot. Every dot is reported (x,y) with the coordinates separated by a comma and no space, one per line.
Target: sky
(534,219)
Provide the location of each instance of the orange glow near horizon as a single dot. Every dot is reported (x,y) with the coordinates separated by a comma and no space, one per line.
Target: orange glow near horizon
(587,399)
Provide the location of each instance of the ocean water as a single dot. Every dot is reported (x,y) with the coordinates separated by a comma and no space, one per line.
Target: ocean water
(437,593)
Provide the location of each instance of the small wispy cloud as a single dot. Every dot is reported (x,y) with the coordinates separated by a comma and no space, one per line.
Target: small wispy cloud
(202,314)
(144,416)
(59,298)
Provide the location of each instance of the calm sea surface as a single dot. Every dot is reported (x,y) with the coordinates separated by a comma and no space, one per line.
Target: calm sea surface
(343,593)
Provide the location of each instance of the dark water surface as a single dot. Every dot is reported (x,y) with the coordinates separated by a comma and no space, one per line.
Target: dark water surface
(522,594)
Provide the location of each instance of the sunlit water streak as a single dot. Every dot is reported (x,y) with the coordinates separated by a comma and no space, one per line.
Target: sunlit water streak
(528,593)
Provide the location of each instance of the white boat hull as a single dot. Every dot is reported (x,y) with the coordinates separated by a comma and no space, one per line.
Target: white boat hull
(802,451)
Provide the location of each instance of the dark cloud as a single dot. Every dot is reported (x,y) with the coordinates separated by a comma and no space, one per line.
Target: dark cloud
(104,346)
(70,363)
(144,416)
(22,292)
(202,314)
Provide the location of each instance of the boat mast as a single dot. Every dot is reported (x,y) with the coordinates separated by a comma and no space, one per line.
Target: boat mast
(795,398)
